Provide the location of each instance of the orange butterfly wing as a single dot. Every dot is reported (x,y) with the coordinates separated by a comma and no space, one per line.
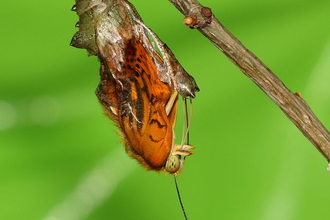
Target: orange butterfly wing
(138,105)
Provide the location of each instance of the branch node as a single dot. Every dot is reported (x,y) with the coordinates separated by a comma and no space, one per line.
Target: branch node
(207,14)
(198,17)
(190,21)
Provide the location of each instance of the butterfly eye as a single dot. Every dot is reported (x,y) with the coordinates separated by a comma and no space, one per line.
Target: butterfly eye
(173,164)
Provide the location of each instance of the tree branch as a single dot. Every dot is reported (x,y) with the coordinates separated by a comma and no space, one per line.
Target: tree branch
(295,108)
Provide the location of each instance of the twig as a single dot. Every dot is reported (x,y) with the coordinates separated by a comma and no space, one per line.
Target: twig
(292,104)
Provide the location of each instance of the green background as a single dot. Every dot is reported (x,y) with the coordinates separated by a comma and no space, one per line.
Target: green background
(61,159)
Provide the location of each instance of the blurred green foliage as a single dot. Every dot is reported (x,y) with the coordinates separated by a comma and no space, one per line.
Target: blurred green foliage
(62,159)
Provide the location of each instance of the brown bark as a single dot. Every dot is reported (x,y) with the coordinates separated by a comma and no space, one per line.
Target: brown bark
(292,104)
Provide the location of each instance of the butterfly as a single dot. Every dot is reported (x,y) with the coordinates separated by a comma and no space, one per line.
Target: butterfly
(140,81)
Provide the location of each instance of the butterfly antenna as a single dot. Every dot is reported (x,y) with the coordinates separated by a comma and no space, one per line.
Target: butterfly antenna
(187,115)
(185,139)
(179,197)
(187,120)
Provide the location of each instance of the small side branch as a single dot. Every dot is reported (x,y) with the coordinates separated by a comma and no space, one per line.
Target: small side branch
(292,104)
